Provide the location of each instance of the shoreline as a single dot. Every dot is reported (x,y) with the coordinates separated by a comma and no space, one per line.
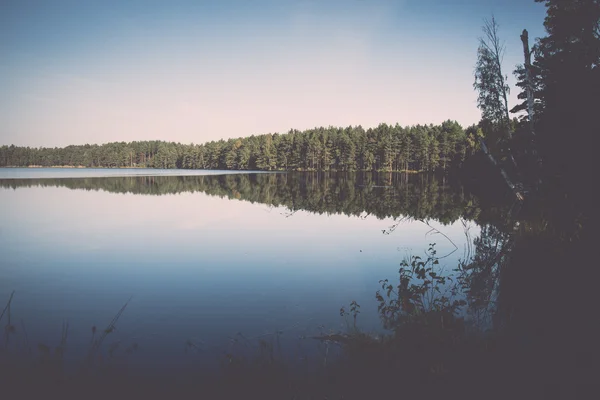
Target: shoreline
(194,169)
(73,167)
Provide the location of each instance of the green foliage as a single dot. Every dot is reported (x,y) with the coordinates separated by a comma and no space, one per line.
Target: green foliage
(384,148)
(490,81)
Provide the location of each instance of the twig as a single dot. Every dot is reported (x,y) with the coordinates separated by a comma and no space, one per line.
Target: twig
(109,329)
(444,235)
(7,307)
(8,327)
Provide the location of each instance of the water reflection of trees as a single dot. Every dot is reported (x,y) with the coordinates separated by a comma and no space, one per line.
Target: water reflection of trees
(354,194)
(480,272)
(390,195)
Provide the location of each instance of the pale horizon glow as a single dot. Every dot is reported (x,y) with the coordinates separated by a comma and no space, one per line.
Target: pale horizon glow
(193,72)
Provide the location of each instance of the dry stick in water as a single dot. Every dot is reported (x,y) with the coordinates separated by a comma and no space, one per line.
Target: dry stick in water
(7,307)
(109,329)
(8,326)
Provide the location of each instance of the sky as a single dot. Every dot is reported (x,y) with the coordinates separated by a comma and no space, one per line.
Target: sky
(76,72)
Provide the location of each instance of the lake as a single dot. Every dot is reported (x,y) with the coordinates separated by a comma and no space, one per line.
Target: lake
(204,255)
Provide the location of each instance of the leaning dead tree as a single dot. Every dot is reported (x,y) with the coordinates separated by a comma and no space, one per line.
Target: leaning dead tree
(493,91)
(516,189)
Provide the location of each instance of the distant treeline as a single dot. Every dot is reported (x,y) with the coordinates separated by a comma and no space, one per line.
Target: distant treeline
(384,148)
(423,196)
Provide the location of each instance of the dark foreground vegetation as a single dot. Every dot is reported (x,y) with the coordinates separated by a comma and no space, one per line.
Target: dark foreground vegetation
(530,323)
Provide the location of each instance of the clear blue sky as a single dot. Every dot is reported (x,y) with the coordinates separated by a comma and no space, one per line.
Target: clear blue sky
(75,72)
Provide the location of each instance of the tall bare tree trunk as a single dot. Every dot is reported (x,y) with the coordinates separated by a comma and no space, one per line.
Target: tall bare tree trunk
(529,91)
(529,83)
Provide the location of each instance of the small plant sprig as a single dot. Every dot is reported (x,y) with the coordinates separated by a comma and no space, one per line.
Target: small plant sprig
(354,311)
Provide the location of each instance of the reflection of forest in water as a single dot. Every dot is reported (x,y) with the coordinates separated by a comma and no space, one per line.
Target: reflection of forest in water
(418,196)
(385,195)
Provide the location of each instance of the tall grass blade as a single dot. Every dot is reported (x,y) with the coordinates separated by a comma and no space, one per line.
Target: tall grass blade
(7,307)
(110,328)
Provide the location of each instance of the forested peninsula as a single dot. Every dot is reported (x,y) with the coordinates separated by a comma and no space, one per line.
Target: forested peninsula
(384,148)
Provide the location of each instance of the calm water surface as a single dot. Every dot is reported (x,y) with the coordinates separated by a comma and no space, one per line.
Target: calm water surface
(36,173)
(205,257)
